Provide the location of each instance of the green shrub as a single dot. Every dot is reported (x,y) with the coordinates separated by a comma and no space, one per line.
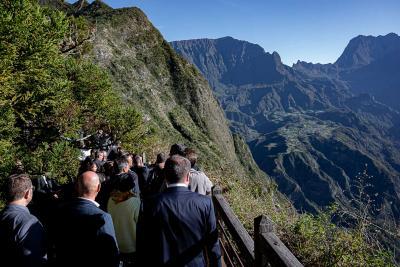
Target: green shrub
(314,239)
(50,92)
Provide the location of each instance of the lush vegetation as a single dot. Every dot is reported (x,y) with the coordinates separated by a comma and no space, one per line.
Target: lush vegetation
(50,94)
(314,239)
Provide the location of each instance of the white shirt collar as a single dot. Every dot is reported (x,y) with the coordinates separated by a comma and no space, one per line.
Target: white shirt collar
(94,202)
(177,185)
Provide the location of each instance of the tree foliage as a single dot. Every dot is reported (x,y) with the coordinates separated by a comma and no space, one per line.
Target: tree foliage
(49,93)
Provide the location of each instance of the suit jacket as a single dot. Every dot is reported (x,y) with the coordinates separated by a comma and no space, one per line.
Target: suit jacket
(22,238)
(84,235)
(155,180)
(44,185)
(175,228)
(44,202)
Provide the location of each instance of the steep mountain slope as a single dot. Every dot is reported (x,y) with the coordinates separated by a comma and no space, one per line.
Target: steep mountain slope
(305,128)
(368,64)
(231,62)
(170,93)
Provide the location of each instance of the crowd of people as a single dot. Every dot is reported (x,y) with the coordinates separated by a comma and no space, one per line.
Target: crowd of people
(118,211)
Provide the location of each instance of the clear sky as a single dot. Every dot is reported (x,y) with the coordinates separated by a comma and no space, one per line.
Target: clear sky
(309,30)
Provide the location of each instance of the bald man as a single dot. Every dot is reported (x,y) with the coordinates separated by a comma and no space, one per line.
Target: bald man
(83,234)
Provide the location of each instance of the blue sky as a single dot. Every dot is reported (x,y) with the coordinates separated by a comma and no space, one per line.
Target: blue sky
(309,30)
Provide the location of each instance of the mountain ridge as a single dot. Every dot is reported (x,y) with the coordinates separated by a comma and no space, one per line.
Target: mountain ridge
(367,65)
(293,122)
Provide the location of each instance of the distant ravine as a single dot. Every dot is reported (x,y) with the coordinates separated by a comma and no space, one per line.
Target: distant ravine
(314,128)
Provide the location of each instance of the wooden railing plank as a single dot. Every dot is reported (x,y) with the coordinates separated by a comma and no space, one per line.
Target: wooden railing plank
(235,227)
(266,249)
(269,249)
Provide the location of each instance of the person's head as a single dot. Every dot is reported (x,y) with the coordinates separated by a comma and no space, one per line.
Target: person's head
(100,155)
(18,167)
(124,183)
(88,165)
(109,168)
(177,169)
(112,154)
(88,185)
(121,165)
(138,161)
(129,157)
(92,154)
(160,161)
(19,189)
(177,149)
(191,155)
(123,188)
(93,167)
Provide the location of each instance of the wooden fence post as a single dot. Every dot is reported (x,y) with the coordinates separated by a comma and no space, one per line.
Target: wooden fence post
(216,191)
(262,225)
(269,249)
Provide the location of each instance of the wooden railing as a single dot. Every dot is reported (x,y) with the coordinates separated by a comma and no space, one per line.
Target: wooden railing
(239,249)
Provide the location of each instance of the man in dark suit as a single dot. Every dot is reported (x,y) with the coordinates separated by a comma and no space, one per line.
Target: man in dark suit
(178,227)
(45,198)
(83,234)
(22,236)
(45,186)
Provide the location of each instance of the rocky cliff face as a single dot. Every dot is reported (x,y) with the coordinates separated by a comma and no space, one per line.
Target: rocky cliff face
(171,94)
(231,62)
(305,126)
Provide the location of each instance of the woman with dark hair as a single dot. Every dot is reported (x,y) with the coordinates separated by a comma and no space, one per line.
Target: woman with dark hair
(108,169)
(87,165)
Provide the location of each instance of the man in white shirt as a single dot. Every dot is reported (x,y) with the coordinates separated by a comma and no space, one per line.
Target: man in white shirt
(198,180)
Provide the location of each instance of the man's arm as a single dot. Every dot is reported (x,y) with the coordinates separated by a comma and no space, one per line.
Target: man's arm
(208,185)
(34,244)
(109,247)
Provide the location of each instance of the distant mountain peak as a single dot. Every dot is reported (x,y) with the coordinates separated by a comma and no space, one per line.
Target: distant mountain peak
(392,35)
(80,4)
(228,38)
(362,50)
(57,4)
(233,61)
(80,7)
(97,7)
